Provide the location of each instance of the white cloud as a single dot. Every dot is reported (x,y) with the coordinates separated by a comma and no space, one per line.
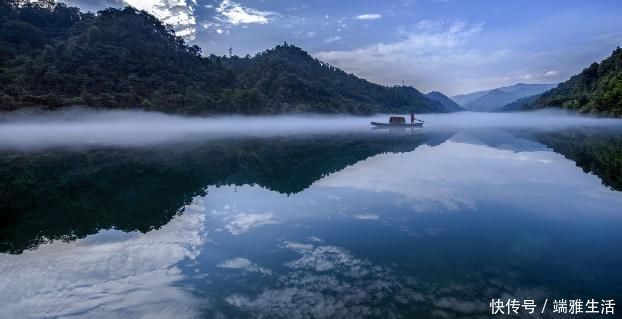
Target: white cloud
(244,264)
(332,39)
(367,216)
(178,13)
(551,73)
(527,76)
(326,282)
(325,258)
(369,16)
(429,52)
(107,275)
(330,282)
(234,13)
(243,222)
(441,187)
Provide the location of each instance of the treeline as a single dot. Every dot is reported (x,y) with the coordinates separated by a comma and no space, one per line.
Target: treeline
(52,55)
(596,90)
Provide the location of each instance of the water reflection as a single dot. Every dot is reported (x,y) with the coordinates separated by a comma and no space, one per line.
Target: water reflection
(70,194)
(595,150)
(355,225)
(112,274)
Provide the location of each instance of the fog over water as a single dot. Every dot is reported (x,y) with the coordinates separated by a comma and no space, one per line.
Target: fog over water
(85,127)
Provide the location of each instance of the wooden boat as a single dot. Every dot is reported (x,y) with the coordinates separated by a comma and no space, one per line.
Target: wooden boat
(396,121)
(390,125)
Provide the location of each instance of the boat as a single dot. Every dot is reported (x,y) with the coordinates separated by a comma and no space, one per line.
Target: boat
(396,121)
(389,125)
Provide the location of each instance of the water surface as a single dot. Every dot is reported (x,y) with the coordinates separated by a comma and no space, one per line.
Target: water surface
(346,223)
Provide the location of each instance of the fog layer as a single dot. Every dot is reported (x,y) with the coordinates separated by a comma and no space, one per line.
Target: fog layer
(84,127)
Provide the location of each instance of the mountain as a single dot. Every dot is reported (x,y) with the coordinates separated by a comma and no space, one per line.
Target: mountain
(597,89)
(463,99)
(518,105)
(448,103)
(486,101)
(53,56)
(288,79)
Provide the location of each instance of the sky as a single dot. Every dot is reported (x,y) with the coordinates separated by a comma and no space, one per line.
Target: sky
(451,46)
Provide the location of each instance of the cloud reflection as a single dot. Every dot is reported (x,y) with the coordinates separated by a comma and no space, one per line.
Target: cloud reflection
(107,275)
(458,176)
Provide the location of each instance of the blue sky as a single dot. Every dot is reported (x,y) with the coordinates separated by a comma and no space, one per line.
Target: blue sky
(453,46)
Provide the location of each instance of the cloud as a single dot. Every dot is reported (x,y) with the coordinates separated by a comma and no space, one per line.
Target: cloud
(327,281)
(369,16)
(367,216)
(243,222)
(178,13)
(332,39)
(107,275)
(94,5)
(551,73)
(244,264)
(429,51)
(234,13)
(527,76)
(440,187)
(327,258)
(330,282)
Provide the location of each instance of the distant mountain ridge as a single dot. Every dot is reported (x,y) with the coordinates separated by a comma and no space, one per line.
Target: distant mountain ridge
(449,104)
(53,56)
(519,104)
(490,100)
(596,90)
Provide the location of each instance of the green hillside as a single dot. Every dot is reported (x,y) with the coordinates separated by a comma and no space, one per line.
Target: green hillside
(52,55)
(596,90)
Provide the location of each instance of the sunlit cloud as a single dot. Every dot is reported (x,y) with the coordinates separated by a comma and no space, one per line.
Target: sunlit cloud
(178,13)
(369,16)
(234,13)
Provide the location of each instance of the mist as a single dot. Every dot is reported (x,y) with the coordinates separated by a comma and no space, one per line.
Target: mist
(79,127)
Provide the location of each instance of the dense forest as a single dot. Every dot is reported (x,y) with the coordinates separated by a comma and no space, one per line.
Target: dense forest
(52,55)
(596,90)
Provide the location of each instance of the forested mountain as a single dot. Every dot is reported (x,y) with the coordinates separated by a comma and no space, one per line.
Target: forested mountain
(52,55)
(597,90)
(448,103)
(496,98)
(519,104)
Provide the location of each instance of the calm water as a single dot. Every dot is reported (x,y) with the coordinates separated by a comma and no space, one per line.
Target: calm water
(382,224)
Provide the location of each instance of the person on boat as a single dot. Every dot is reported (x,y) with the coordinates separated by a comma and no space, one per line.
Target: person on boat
(412,118)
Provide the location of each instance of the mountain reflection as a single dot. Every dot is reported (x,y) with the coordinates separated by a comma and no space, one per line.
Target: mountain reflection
(595,150)
(69,194)
(376,224)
